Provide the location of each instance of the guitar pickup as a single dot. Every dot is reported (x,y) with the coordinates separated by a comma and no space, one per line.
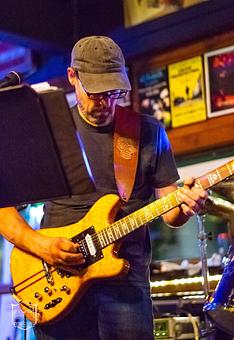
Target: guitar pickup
(89,247)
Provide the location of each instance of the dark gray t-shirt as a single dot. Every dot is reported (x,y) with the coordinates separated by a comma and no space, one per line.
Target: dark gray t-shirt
(156,169)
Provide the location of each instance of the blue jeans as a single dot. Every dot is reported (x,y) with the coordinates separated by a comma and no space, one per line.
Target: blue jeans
(106,312)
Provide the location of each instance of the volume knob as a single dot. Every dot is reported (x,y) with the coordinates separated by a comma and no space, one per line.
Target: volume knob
(65,289)
(38,296)
(48,290)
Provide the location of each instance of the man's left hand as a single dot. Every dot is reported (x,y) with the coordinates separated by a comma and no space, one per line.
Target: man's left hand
(194,198)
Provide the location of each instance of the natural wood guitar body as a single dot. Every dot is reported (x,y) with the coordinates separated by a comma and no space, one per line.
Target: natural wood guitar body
(29,277)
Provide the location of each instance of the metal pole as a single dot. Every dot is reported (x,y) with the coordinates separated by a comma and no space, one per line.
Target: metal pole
(202,242)
(202,237)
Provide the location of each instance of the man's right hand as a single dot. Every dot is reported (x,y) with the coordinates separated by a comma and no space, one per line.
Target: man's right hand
(60,252)
(57,251)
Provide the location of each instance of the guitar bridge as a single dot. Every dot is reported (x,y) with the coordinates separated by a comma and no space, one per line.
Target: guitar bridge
(47,272)
(89,247)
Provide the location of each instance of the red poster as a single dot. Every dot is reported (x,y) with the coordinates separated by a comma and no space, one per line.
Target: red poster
(219,75)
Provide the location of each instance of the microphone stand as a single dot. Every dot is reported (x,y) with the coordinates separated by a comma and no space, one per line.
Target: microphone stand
(208,332)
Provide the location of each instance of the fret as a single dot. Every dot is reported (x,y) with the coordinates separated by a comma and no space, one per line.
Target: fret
(117,231)
(131,222)
(231,170)
(125,227)
(151,211)
(168,198)
(105,236)
(141,222)
(133,218)
(212,178)
(198,183)
(101,240)
(110,235)
(115,237)
(177,196)
(161,209)
(165,204)
(143,219)
(173,199)
(219,175)
(157,207)
(148,214)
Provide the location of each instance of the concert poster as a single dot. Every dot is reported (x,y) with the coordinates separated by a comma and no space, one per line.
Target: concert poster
(186,84)
(219,76)
(154,95)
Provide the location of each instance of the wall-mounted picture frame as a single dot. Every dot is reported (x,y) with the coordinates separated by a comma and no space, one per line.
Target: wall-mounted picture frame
(219,80)
(153,94)
(187,95)
(139,11)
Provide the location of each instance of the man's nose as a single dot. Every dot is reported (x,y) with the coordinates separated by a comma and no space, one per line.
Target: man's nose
(105,101)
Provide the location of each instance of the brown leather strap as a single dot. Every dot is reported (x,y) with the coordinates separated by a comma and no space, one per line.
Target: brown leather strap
(126,150)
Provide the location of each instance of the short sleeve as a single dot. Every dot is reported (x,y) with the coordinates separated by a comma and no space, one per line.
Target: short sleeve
(164,167)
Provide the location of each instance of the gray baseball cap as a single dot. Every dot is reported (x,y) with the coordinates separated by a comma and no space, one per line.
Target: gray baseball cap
(100,64)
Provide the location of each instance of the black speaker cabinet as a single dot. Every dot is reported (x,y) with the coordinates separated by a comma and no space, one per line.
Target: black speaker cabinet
(40,157)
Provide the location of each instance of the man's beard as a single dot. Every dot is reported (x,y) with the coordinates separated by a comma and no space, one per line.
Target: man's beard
(97,116)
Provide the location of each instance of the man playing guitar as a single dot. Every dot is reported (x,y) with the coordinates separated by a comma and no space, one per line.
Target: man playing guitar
(113,308)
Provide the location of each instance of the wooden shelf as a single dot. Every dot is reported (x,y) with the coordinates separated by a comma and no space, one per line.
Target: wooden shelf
(210,134)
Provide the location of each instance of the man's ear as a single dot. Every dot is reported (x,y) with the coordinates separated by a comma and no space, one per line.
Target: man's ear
(71,74)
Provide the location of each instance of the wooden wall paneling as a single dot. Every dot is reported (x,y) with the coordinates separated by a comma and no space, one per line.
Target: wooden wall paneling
(207,135)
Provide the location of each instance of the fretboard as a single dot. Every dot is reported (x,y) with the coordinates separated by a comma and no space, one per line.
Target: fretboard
(135,220)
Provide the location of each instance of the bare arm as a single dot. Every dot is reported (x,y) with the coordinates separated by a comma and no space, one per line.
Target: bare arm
(194,199)
(54,250)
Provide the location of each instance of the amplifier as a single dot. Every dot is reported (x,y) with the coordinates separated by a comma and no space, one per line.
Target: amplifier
(176,328)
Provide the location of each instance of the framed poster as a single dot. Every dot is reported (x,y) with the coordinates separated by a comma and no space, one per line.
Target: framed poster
(139,11)
(186,83)
(154,95)
(219,76)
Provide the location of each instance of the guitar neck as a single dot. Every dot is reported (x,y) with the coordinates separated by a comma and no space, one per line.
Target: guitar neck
(135,220)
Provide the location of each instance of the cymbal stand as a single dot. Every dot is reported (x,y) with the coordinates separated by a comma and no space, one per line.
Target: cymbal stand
(202,237)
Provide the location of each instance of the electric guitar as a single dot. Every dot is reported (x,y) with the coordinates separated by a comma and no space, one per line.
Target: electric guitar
(46,294)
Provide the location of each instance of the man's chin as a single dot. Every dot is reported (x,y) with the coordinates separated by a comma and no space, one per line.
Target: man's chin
(102,121)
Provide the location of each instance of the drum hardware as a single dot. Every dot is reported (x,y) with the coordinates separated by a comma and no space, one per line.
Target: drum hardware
(219,307)
(208,331)
(225,189)
(176,327)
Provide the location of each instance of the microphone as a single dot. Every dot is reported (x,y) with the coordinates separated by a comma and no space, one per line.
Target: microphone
(11,79)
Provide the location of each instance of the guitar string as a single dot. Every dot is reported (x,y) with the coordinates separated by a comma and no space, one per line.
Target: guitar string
(132,216)
(203,180)
(103,233)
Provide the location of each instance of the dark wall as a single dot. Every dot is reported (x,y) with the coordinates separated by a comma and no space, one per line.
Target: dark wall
(41,24)
(102,17)
(53,25)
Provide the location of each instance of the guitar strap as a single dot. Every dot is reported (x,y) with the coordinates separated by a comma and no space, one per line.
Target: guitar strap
(126,150)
